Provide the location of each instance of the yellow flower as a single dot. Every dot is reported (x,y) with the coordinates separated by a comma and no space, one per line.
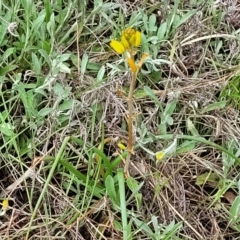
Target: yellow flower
(117,46)
(129,39)
(128,33)
(160,155)
(171,149)
(5,204)
(4,207)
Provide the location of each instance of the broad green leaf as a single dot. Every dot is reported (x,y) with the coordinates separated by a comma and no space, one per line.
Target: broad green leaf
(132,184)
(144,43)
(27,8)
(170,107)
(143,226)
(169,120)
(162,31)
(110,188)
(93,66)
(191,128)
(214,106)
(235,211)
(74,59)
(171,229)
(185,17)
(7,129)
(207,177)
(46,57)
(7,53)
(101,73)
(152,23)
(51,26)
(151,94)
(44,112)
(46,46)
(84,63)
(7,69)
(153,40)
(117,225)
(63,68)
(67,105)
(64,57)
(37,64)
(3,32)
(186,146)
(145,22)
(48,9)
(60,91)
(38,22)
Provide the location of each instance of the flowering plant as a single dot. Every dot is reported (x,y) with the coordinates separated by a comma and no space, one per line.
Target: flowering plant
(130,41)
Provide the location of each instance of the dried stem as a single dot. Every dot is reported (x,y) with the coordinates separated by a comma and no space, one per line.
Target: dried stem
(130,121)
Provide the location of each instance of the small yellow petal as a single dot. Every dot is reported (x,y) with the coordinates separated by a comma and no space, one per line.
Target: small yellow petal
(5,204)
(137,39)
(160,155)
(132,65)
(124,42)
(122,146)
(117,46)
(132,40)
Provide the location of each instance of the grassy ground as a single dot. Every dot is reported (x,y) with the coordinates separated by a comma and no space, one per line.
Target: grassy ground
(63,121)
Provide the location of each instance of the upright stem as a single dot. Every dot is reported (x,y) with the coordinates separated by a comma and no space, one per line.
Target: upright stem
(130,121)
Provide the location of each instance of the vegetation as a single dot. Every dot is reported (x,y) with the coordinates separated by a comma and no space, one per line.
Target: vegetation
(68,169)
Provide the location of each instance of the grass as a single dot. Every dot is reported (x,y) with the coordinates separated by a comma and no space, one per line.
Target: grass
(63,121)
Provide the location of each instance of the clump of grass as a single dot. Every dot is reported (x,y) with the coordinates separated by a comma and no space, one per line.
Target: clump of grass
(231,92)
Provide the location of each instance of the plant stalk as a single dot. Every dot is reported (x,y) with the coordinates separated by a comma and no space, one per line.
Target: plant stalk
(130,121)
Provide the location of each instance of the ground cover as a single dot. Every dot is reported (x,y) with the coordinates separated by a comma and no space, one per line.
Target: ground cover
(64,120)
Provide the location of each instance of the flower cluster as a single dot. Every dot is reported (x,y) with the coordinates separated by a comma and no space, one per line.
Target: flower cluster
(130,40)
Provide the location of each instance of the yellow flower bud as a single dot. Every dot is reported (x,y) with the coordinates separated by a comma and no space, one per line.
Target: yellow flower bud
(117,46)
(122,146)
(124,42)
(5,204)
(4,207)
(159,156)
(128,33)
(137,40)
